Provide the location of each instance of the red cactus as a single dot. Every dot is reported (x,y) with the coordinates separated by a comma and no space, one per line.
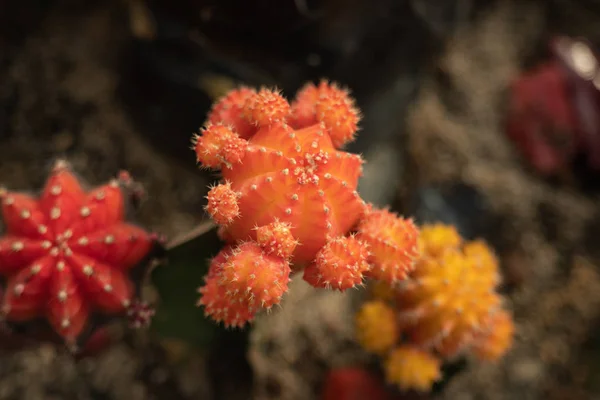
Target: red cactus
(215,297)
(353,384)
(553,110)
(542,120)
(67,253)
(222,204)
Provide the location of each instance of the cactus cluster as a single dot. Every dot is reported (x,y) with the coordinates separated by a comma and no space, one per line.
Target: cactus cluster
(287,201)
(66,254)
(448,305)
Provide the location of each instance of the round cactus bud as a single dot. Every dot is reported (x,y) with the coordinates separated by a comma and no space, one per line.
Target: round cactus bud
(266,107)
(254,278)
(218,306)
(214,298)
(393,244)
(376,328)
(218,146)
(223,204)
(412,369)
(303,112)
(329,104)
(228,110)
(337,111)
(434,239)
(340,264)
(276,239)
(496,338)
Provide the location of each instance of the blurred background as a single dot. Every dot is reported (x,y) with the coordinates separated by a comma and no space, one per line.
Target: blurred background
(480,113)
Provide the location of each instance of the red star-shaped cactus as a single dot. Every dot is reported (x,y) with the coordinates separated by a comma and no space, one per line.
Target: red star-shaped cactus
(288,197)
(67,253)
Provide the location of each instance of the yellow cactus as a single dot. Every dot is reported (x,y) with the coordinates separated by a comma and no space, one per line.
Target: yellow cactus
(483,260)
(412,368)
(447,305)
(382,291)
(376,327)
(436,238)
(493,343)
(447,301)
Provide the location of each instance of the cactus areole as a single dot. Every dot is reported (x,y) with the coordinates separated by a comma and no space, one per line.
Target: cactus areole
(66,254)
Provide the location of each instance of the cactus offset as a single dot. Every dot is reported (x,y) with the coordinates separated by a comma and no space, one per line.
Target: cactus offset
(276,239)
(329,104)
(253,277)
(376,327)
(216,301)
(393,242)
(67,253)
(340,264)
(223,204)
(412,368)
(494,341)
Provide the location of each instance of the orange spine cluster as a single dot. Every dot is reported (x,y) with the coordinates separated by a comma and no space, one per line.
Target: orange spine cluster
(288,200)
(448,305)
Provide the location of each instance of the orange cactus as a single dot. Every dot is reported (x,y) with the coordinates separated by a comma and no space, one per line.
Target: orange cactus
(289,196)
(276,239)
(215,299)
(230,108)
(329,104)
(253,277)
(340,264)
(393,243)
(265,108)
(293,175)
(218,146)
(222,204)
